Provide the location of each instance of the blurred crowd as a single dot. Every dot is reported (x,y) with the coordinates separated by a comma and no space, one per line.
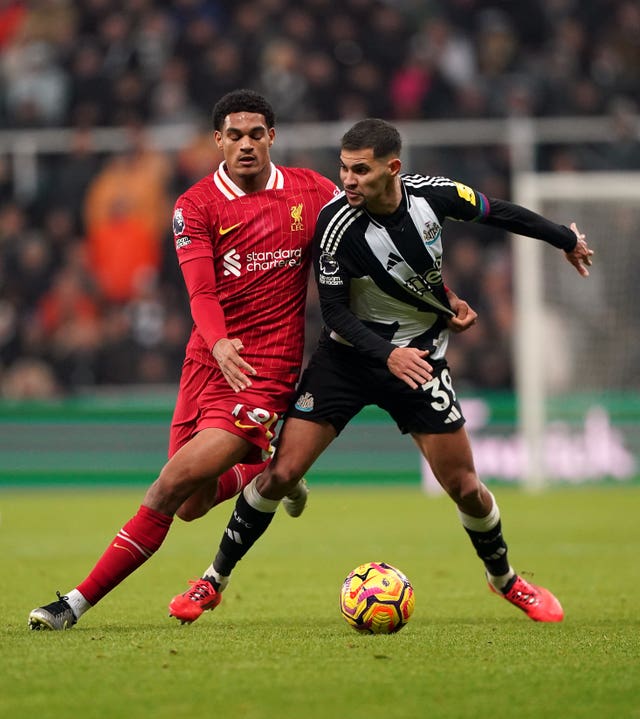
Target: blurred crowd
(90,293)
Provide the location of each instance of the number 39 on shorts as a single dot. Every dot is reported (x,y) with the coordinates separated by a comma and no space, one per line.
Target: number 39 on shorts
(441,389)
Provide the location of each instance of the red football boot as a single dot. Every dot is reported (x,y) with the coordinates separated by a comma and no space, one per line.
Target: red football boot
(187,607)
(536,602)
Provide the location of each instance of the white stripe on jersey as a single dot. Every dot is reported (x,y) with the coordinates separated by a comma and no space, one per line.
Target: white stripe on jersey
(337,227)
(422,181)
(231,191)
(371,304)
(383,247)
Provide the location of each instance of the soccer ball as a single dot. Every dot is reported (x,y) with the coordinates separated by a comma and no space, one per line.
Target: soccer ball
(377,598)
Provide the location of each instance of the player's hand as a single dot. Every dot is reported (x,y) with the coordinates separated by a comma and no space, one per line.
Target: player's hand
(409,365)
(580,255)
(465,315)
(226,352)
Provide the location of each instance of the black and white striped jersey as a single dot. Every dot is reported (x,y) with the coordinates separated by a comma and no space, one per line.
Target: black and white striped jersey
(380,276)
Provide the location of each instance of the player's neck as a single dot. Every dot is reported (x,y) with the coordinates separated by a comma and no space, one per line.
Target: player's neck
(388,202)
(251,183)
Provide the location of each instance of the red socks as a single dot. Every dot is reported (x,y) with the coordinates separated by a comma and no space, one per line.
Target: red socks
(143,534)
(234,480)
(140,537)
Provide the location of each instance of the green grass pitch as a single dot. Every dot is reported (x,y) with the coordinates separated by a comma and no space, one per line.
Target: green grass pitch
(277,645)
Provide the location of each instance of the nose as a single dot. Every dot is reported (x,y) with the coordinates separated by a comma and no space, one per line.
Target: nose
(348,178)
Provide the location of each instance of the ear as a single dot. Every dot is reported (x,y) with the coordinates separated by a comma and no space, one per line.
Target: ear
(272,135)
(394,166)
(217,136)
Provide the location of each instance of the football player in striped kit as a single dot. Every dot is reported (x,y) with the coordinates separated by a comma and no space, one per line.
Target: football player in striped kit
(378,250)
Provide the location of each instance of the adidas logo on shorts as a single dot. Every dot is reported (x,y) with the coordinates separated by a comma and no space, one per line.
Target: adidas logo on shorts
(454,415)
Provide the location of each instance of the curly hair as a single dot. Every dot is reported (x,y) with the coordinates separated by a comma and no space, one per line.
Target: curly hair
(242,101)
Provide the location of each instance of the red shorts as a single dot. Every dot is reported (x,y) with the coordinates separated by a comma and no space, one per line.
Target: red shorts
(205,400)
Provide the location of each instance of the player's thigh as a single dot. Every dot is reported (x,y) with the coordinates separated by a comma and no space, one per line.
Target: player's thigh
(197,463)
(450,458)
(204,457)
(301,442)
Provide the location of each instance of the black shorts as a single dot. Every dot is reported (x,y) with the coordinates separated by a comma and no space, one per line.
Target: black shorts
(339,382)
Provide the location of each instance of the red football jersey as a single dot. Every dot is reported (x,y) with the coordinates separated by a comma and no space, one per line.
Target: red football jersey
(260,246)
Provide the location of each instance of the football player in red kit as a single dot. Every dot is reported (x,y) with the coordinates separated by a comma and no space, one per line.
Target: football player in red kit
(243,241)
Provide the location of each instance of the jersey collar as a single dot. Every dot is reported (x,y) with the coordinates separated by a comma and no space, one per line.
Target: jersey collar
(231,191)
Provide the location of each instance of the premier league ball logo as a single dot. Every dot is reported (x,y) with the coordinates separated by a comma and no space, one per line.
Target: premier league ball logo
(178,222)
(328,264)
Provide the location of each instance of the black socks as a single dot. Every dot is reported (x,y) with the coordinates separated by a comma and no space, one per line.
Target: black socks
(245,527)
(491,548)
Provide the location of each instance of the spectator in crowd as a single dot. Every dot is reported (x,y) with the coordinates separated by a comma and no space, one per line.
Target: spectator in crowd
(69,177)
(122,248)
(36,91)
(136,180)
(68,319)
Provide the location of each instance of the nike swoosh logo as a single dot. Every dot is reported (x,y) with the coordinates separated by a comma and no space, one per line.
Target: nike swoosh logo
(225,230)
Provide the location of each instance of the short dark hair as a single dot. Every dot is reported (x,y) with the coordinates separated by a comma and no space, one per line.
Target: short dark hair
(381,136)
(242,101)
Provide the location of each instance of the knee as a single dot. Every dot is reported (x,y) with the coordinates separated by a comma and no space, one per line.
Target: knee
(186,514)
(279,479)
(173,493)
(162,497)
(199,503)
(465,489)
(187,511)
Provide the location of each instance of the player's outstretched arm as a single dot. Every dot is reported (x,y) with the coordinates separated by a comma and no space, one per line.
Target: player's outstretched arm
(580,256)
